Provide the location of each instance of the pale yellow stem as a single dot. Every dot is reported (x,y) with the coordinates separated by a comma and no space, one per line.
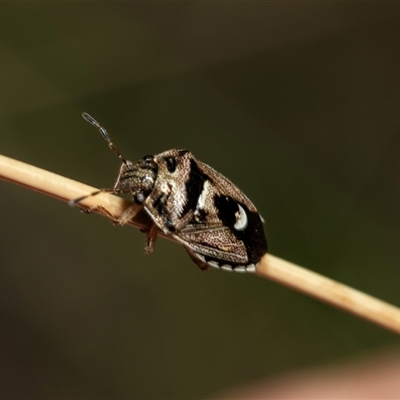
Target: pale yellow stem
(330,291)
(270,267)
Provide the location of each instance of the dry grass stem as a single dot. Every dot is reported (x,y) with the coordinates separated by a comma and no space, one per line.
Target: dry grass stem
(66,189)
(330,291)
(270,267)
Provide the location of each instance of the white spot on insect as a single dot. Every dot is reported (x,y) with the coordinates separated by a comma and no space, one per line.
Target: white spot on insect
(251,268)
(200,257)
(240,269)
(241,219)
(201,203)
(226,268)
(213,264)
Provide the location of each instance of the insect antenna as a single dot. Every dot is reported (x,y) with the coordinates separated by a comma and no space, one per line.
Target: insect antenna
(111,145)
(74,202)
(105,135)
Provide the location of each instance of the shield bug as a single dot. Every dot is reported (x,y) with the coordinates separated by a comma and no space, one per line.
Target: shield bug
(192,203)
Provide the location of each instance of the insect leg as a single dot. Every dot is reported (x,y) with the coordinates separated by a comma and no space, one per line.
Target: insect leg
(151,236)
(128,214)
(201,264)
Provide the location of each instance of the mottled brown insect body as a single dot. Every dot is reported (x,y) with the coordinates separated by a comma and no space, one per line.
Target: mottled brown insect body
(194,204)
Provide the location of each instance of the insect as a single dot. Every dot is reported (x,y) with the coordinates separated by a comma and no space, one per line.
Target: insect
(192,203)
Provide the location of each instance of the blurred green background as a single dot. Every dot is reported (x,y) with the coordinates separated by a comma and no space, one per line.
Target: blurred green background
(297,103)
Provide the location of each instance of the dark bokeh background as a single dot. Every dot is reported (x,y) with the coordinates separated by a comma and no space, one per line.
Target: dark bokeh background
(297,103)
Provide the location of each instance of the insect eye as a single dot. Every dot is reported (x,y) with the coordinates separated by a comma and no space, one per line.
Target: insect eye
(139,198)
(171,163)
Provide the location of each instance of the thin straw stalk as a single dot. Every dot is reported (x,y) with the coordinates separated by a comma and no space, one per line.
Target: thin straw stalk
(270,267)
